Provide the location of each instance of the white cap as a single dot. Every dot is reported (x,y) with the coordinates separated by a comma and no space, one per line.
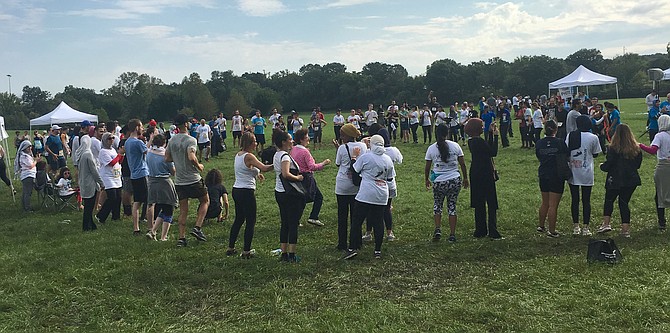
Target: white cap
(55,127)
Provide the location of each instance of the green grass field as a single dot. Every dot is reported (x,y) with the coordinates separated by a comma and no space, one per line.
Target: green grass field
(54,277)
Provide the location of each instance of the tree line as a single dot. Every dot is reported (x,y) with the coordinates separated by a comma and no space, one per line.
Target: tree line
(330,86)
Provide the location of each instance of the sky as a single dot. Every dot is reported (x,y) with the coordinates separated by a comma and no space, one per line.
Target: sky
(89,43)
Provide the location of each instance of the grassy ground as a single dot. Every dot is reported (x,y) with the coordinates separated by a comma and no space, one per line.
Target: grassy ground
(54,277)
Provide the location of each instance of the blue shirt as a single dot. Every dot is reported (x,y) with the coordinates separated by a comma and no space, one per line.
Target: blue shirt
(135,151)
(55,144)
(654,113)
(615,119)
(665,107)
(157,165)
(259,124)
(194,132)
(505,116)
(488,119)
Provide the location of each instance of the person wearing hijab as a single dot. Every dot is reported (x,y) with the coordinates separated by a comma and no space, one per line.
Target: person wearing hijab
(89,181)
(660,147)
(483,178)
(376,170)
(584,147)
(25,167)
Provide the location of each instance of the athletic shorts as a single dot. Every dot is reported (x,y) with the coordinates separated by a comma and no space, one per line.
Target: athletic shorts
(237,134)
(552,185)
(260,139)
(192,191)
(204,145)
(140,190)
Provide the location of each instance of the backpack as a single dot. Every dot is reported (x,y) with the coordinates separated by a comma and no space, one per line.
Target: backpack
(603,250)
(268,154)
(355,176)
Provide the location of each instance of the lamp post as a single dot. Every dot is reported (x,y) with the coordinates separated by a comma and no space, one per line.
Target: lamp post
(9,82)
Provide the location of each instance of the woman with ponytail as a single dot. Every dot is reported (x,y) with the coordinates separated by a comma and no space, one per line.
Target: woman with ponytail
(445,157)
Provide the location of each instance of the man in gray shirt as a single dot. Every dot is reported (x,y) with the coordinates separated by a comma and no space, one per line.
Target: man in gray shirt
(188,183)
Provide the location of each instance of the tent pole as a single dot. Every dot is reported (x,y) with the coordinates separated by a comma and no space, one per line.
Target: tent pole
(617,97)
(8,164)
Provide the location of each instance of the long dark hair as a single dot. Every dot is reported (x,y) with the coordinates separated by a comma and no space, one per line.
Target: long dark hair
(441,132)
(214,177)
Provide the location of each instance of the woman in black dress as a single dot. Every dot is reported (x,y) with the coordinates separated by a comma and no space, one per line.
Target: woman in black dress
(483,178)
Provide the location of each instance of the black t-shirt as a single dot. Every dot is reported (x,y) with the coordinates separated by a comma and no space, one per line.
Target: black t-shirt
(546,150)
(125,169)
(561,115)
(215,193)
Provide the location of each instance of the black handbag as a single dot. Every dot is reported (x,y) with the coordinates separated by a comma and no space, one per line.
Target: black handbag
(603,250)
(295,189)
(309,184)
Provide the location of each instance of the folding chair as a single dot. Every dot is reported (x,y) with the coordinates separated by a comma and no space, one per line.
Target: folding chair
(46,192)
(66,201)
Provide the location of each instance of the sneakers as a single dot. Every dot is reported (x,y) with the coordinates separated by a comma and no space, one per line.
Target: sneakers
(586,231)
(625,234)
(576,231)
(197,233)
(390,237)
(378,254)
(437,234)
(231,252)
(348,254)
(553,234)
(151,235)
(315,222)
(366,237)
(604,228)
(97,219)
(452,238)
(540,229)
(182,242)
(137,233)
(248,254)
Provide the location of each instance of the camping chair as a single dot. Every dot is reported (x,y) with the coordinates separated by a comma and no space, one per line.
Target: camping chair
(46,191)
(63,201)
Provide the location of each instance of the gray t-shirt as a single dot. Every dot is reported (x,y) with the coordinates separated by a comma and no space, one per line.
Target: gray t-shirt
(179,146)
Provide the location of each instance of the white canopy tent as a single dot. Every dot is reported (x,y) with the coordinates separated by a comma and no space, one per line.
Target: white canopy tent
(63,114)
(666,74)
(584,77)
(7,160)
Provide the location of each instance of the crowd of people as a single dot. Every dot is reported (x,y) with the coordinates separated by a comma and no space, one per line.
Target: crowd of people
(146,173)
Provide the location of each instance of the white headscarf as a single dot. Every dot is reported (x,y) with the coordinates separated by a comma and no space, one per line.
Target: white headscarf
(664,123)
(17,161)
(84,146)
(377,144)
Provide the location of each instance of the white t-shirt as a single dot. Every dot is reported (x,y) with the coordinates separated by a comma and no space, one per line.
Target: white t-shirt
(96,146)
(281,156)
(581,160)
(354,120)
(274,118)
(338,120)
(370,117)
(448,170)
(65,187)
(111,175)
(662,141)
(426,118)
(343,183)
(203,133)
(463,116)
(237,123)
(527,113)
(440,117)
(375,171)
(396,156)
(537,118)
(221,123)
(297,124)
(414,117)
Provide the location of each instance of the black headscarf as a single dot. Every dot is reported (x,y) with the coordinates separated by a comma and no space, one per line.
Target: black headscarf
(575,138)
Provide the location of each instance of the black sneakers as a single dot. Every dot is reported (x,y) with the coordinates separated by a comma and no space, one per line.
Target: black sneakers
(182,242)
(348,254)
(437,234)
(197,233)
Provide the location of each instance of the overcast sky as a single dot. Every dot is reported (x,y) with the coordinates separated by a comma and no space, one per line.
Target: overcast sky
(89,43)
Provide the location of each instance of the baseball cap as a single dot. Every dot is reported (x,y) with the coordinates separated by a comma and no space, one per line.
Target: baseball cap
(85,123)
(152,123)
(55,127)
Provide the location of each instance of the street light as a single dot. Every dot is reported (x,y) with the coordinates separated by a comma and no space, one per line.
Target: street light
(9,80)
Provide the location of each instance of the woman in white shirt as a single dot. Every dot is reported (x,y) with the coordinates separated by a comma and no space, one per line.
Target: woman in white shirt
(414,123)
(660,147)
(538,120)
(25,166)
(583,147)
(426,125)
(376,170)
(247,169)
(110,172)
(290,206)
(445,157)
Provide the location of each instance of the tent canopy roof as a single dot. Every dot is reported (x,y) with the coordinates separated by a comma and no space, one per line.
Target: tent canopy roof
(582,76)
(666,74)
(63,114)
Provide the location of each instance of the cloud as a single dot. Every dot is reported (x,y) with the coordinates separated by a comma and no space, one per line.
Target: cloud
(261,7)
(341,4)
(149,31)
(132,9)
(18,17)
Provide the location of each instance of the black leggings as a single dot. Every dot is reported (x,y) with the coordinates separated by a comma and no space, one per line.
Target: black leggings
(112,205)
(660,212)
(414,128)
(375,217)
(586,203)
(3,172)
(245,210)
(290,211)
(624,195)
(345,209)
(427,132)
(388,217)
(89,204)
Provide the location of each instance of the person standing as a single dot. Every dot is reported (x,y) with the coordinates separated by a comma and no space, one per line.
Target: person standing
(90,182)
(345,189)
(624,158)
(303,157)
(414,123)
(661,148)
(110,172)
(445,157)
(258,122)
(552,185)
(136,151)
(237,128)
(274,117)
(650,98)
(290,207)
(376,170)
(652,120)
(338,122)
(538,122)
(181,150)
(162,197)
(247,169)
(26,167)
(426,124)
(56,151)
(204,133)
(505,124)
(354,119)
(584,147)
(483,179)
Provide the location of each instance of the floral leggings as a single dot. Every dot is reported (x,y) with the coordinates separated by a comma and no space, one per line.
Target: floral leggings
(447,189)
